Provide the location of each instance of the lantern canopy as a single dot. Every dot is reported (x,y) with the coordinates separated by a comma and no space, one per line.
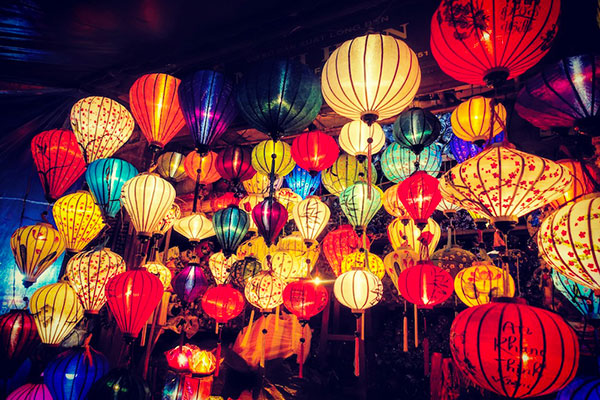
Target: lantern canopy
(472,120)
(302,182)
(169,165)
(311,216)
(30,391)
(416,129)
(270,217)
(425,284)
(195,227)
(190,283)
(583,298)
(345,172)
(420,195)
(463,150)
(231,225)
(18,338)
(305,298)
(358,289)
(358,206)
(234,164)
(401,234)
(398,163)
(272,157)
(481,282)
(78,219)
(201,167)
(265,291)
(222,303)
(105,178)
(361,140)
(314,151)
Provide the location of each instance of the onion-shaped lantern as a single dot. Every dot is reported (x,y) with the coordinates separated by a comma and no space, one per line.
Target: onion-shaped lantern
(201,167)
(401,234)
(18,338)
(481,283)
(254,248)
(195,227)
(155,105)
(30,391)
(425,285)
(160,270)
(420,195)
(359,205)
(101,126)
(361,140)
(120,384)
(264,291)
(314,151)
(463,150)
(234,163)
(371,77)
(393,205)
(584,182)
(221,266)
(583,298)
(539,350)
(231,225)
(169,165)
(273,157)
(302,182)
(363,259)
(311,216)
(345,172)
(244,270)
(78,219)
(270,217)
(397,261)
(478,120)
(168,220)
(259,184)
(58,160)
(190,283)
(105,178)
(471,46)
(416,129)
(289,199)
(398,163)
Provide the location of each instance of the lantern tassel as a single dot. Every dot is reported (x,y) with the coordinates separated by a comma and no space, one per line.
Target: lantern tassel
(416,326)
(86,348)
(218,351)
(357,345)
(263,347)
(301,358)
(405,334)
(425,347)
(248,329)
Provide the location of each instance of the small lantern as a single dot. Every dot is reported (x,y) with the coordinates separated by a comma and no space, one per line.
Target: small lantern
(420,195)
(160,270)
(480,283)
(221,266)
(271,156)
(201,168)
(398,163)
(105,178)
(478,120)
(270,217)
(399,260)
(401,234)
(416,129)
(359,205)
(425,285)
(190,283)
(340,242)
(314,151)
(361,140)
(393,205)
(78,219)
(345,172)
(254,248)
(195,227)
(311,216)
(244,270)
(234,164)
(169,165)
(462,150)
(264,291)
(231,225)
(363,259)
(302,182)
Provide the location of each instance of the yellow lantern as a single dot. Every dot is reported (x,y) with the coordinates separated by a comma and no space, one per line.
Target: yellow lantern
(481,282)
(161,270)
(295,245)
(78,218)
(289,199)
(56,311)
(147,199)
(401,234)
(170,166)
(35,248)
(371,77)
(397,261)
(201,167)
(311,216)
(248,203)
(254,248)
(195,227)
(264,291)
(447,207)
(357,260)
(345,172)
(221,266)
(361,140)
(168,220)
(275,156)
(472,119)
(286,266)
(259,184)
(393,205)
(202,362)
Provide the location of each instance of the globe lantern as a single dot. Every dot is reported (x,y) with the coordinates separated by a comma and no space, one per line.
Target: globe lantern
(425,285)
(78,219)
(168,220)
(478,284)
(420,195)
(301,181)
(264,291)
(583,298)
(120,384)
(245,269)
(583,182)
(208,106)
(273,157)
(471,47)
(371,77)
(195,227)
(580,388)
(416,129)
(401,234)
(478,120)
(393,205)
(169,165)
(361,140)
(397,261)
(56,311)
(540,351)
(270,217)
(18,338)
(190,283)
(223,303)
(155,105)
(345,172)
(58,160)
(363,259)
(359,205)
(201,168)
(105,178)
(259,184)
(230,225)
(463,150)
(30,391)
(160,270)
(234,164)
(221,266)
(311,216)
(398,163)
(101,126)
(314,151)
(35,248)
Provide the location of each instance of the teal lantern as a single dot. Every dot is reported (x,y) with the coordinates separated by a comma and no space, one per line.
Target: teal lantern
(398,163)
(302,182)
(231,225)
(416,128)
(583,298)
(360,202)
(105,178)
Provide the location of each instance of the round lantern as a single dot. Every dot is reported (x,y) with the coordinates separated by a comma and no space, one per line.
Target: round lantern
(35,248)
(170,166)
(470,46)
(311,216)
(539,351)
(31,391)
(259,184)
(287,198)
(480,283)
(361,140)
(425,285)
(472,120)
(78,219)
(358,290)
(101,126)
(393,205)
(420,195)
(254,248)
(305,298)
(363,259)
(18,337)
(463,150)
(583,182)
(399,260)
(360,204)
(56,310)
(148,199)
(398,163)
(120,384)
(270,217)
(302,182)
(583,298)
(221,266)
(208,106)
(314,151)
(105,178)
(88,273)
(345,172)
(279,97)
(58,160)
(448,208)
(168,220)
(231,225)
(581,388)
(201,168)
(234,164)
(132,297)
(155,105)
(222,303)
(190,283)
(160,270)
(401,234)
(504,183)
(273,156)
(371,77)
(195,227)
(264,291)
(286,266)
(416,129)
(245,269)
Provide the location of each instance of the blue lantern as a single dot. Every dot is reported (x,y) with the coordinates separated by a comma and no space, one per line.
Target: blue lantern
(463,150)
(71,375)
(398,163)
(105,178)
(302,183)
(583,298)
(120,384)
(581,388)
(207,102)
(231,225)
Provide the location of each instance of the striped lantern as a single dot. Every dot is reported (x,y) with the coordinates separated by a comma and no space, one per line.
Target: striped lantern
(247,204)
(314,151)
(361,140)
(190,283)
(360,203)
(398,163)
(160,270)
(425,285)
(169,165)
(301,181)
(270,217)
(78,219)
(234,164)
(340,242)
(480,283)
(201,168)
(259,184)
(416,129)
(254,247)
(231,225)
(397,261)
(472,120)
(583,298)
(272,156)
(581,388)
(264,291)
(105,178)
(18,338)
(195,227)
(585,179)
(401,234)
(168,220)
(393,205)
(420,195)
(345,172)
(31,391)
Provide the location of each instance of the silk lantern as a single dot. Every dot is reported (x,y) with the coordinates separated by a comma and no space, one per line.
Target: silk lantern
(398,163)
(393,205)
(234,163)
(35,248)
(452,258)
(18,338)
(359,206)
(470,46)
(314,151)
(288,199)
(302,182)
(361,140)
(247,204)
(311,216)
(223,303)
(264,291)
(416,129)
(583,298)
(56,310)
(371,77)
(30,391)
(168,220)
(259,184)
(478,120)
(160,270)
(221,266)
(584,182)
(208,106)
(195,227)
(120,384)
(78,219)
(345,172)
(155,105)
(231,225)
(190,283)
(580,388)
(463,150)
(89,272)
(101,126)
(272,157)
(420,195)
(58,160)
(201,168)
(270,217)
(397,261)
(400,234)
(363,259)
(425,285)
(105,178)
(169,165)
(478,284)
(254,247)
(245,269)
(293,258)
(539,350)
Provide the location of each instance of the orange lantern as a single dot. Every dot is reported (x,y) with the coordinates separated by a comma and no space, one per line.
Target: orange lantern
(584,182)
(201,168)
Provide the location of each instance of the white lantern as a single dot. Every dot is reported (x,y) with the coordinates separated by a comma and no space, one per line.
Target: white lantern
(361,140)
(265,291)
(221,266)
(311,216)
(194,227)
(358,290)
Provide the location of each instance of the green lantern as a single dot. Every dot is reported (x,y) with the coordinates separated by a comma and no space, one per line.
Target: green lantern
(360,203)
(416,128)
(231,225)
(398,163)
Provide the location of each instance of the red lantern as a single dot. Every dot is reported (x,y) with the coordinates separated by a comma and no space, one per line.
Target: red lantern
(420,195)
(18,336)
(132,296)
(269,216)
(514,349)
(340,242)
(425,285)
(234,164)
(314,151)
(58,160)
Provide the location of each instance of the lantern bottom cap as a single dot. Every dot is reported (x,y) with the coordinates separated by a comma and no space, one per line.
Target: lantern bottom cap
(368,117)
(505,223)
(496,76)
(589,126)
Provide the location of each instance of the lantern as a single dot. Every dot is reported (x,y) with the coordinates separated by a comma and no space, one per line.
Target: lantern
(314,151)
(168,220)
(231,225)
(56,310)
(286,266)
(195,227)
(448,208)
(120,384)
(583,298)
(539,350)
(244,270)
(359,206)
(504,184)
(420,195)
(471,47)
(78,219)
(401,234)
(155,105)
(287,198)
(31,391)
(371,77)
(397,261)
(148,199)
(583,182)
(580,388)
(178,358)
(18,337)
(221,266)
(101,126)
(279,97)
(302,182)
(247,204)
(132,297)
(170,166)
(393,205)
(416,129)
(452,258)
(361,140)
(272,157)
(425,285)
(398,163)
(365,260)
(190,283)
(254,248)
(223,303)
(105,178)
(208,106)
(463,150)
(160,270)
(58,160)
(264,291)
(201,168)
(480,283)
(345,172)
(311,216)
(568,241)
(259,184)
(35,248)
(478,120)
(563,94)
(270,217)
(234,164)
(88,273)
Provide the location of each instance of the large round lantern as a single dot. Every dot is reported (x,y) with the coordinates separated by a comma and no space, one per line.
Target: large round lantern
(302,182)
(393,205)
(361,140)
(270,217)
(259,184)
(416,129)
(584,182)
(105,178)
(101,126)
(401,234)
(264,291)
(398,163)
(231,225)
(513,349)
(195,227)
(56,310)
(338,243)
(221,266)
(583,298)
(190,283)
(420,195)
(314,151)
(397,261)
(58,160)
(18,337)
(481,283)
(311,216)
(425,285)
(360,203)
(155,105)
(345,172)
(170,166)
(271,156)
(120,384)
(234,164)
(201,168)
(89,272)
(478,120)
(78,219)
(363,259)
(471,46)
(463,150)
(581,388)
(371,77)
(31,391)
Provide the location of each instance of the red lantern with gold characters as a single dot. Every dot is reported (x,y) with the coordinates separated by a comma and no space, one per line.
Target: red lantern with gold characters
(314,151)
(340,242)
(425,285)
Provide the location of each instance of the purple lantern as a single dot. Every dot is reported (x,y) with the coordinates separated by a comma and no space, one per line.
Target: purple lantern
(190,283)
(463,150)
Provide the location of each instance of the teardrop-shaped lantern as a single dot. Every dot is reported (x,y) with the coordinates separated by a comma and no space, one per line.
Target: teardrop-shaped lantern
(311,216)
(363,260)
(105,178)
(169,165)
(221,266)
(398,163)
(201,167)
(314,151)
(78,219)
(340,242)
(265,291)
(416,129)
(360,204)
(302,182)
(401,234)
(270,217)
(393,205)
(31,391)
(190,283)
(463,150)
(345,172)
(231,225)
(195,227)
(270,156)
(259,184)
(361,140)
(18,338)
(234,163)
(420,195)
(472,119)
(168,220)
(425,284)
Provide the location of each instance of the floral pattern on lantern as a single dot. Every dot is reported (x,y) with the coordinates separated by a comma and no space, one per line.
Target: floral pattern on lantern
(160,270)
(264,291)
(221,266)
(345,172)
(289,199)
(168,220)
(398,163)
(78,219)
(397,261)
(584,182)
(480,283)
(254,248)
